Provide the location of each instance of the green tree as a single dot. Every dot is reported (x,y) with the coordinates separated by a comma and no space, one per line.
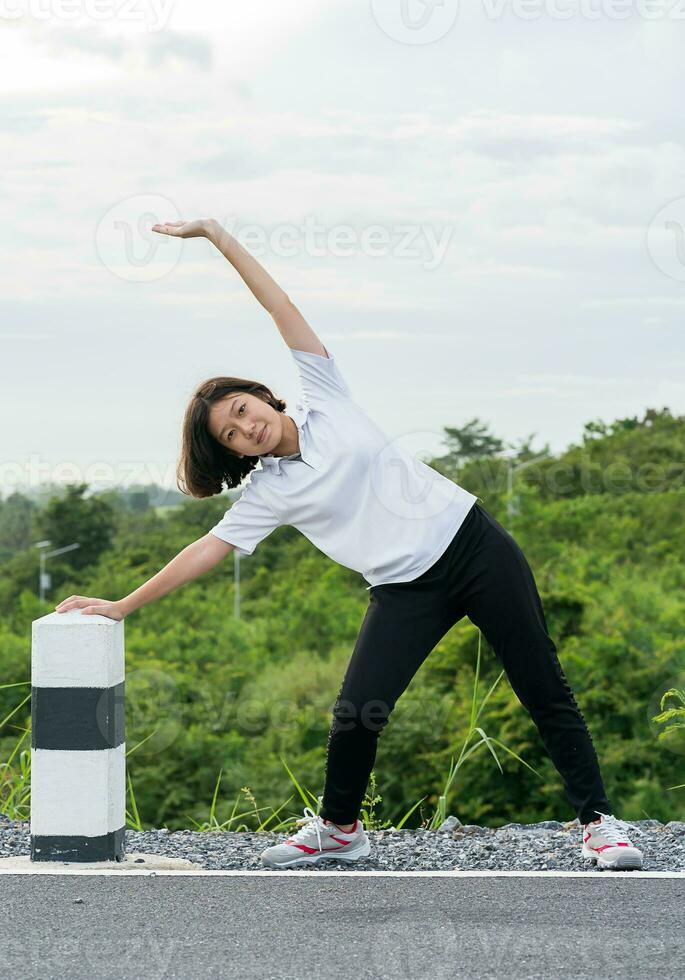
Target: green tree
(17,514)
(74,518)
(472,441)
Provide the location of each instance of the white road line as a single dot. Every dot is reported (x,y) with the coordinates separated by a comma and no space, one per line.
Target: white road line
(603,875)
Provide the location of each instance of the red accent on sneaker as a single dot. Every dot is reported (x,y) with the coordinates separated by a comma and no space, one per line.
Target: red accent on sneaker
(354,827)
(605,846)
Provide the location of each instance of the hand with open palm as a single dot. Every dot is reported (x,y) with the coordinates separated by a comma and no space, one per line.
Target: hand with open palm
(90,606)
(200,228)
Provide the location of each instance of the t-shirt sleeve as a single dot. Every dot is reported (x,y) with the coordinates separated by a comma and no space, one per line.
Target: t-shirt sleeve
(320,377)
(247,521)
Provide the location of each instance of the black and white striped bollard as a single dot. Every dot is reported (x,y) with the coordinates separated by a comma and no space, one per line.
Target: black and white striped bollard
(78,751)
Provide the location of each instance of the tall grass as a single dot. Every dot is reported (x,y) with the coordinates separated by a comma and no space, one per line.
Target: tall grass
(466,750)
(673,718)
(15,779)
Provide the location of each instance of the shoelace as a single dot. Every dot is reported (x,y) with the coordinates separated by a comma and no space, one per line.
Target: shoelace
(311,821)
(615,829)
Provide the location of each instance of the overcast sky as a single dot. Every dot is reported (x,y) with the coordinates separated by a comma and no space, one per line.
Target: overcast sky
(479,210)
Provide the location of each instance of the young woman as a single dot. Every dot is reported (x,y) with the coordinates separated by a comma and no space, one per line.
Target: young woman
(428,549)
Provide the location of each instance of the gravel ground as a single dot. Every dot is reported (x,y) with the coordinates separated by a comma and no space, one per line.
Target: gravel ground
(545,846)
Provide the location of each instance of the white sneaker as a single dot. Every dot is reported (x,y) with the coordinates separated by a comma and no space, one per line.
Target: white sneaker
(606,841)
(315,841)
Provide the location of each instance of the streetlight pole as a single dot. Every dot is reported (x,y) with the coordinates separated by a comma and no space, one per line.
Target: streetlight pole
(236,583)
(43,576)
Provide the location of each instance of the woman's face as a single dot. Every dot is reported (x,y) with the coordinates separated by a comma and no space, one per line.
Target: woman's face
(237,420)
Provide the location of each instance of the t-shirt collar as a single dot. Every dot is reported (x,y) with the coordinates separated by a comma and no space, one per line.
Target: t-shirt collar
(307,452)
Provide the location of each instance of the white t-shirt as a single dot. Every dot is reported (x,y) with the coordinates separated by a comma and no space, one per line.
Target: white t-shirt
(357,495)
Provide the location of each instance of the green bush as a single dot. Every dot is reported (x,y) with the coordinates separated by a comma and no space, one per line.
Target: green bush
(209,693)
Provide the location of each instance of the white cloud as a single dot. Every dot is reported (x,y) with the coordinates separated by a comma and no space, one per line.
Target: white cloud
(541,148)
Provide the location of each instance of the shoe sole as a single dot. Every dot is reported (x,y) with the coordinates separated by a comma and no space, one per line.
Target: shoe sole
(359,852)
(624,862)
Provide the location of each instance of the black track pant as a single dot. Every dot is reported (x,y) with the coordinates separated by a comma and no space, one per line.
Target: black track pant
(484,575)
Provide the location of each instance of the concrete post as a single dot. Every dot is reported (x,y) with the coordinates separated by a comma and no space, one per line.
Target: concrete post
(78,751)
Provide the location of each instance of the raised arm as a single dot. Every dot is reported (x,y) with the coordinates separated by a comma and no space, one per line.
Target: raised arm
(196,558)
(293,327)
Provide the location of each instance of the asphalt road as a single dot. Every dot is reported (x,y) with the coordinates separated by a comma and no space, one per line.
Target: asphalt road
(174,926)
